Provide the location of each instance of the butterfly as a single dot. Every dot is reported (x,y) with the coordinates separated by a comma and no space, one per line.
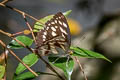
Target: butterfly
(55,37)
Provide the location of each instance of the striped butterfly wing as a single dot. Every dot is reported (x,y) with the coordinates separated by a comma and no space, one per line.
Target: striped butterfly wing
(55,37)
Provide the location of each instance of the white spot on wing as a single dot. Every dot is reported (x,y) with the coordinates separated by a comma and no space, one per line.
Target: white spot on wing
(45,33)
(47,28)
(65,25)
(44,36)
(53,33)
(49,24)
(43,39)
(63,35)
(60,22)
(56,26)
(53,28)
(63,30)
(52,23)
(55,21)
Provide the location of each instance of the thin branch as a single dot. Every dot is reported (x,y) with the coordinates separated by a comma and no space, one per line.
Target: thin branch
(51,68)
(81,68)
(48,65)
(3,44)
(17,33)
(43,73)
(11,36)
(5,54)
(5,1)
(20,12)
(29,27)
(5,33)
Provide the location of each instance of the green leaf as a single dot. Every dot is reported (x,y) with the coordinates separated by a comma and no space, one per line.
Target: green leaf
(2,71)
(39,26)
(29,75)
(30,60)
(67,13)
(24,39)
(26,75)
(64,63)
(87,53)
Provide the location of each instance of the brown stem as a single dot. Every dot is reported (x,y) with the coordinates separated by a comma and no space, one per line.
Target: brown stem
(21,12)
(48,65)
(29,27)
(5,33)
(3,44)
(17,33)
(5,54)
(11,36)
(51,68)
(5,1)
(81,68)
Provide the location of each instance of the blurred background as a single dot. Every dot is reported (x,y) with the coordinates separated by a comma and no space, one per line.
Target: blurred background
(94,25)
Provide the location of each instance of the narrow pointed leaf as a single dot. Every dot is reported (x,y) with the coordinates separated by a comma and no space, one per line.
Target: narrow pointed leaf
(2,71)
(39,26)
(29,75)
(67,13)
(30,60)
(24,39)
(63,63)
(87,53)
(26,75)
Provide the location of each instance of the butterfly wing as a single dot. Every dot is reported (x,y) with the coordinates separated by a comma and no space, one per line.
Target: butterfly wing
(55,35)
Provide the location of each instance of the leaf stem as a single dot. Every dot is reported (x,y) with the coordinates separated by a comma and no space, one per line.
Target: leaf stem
(5,55)
(30,28)
(51,68)
(81,68)
(20,12)
(48,65)
(10,35)
(5,1)
(3,44)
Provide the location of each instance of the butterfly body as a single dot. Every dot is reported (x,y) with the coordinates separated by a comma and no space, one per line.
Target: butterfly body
(55,38)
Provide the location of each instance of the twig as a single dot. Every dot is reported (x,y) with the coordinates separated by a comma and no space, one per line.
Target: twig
(3,44)
(3,61)
(17,33)
(48,65)
(20,12)
(5,54)
(5,1)
(5,33)
(29,27)
(51,68)
(81,68)
(11,36)
(43,73)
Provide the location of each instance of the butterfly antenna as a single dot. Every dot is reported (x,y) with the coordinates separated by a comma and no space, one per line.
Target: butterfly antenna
(82,37)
